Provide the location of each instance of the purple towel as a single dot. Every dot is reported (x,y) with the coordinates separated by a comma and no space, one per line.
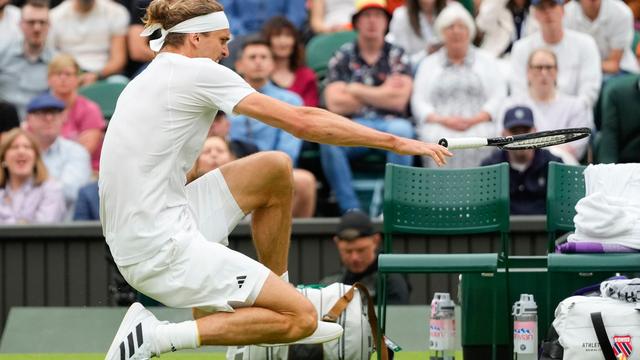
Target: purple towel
(592,247)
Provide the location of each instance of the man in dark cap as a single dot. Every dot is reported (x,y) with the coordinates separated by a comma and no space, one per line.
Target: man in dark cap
(358,244)
(527,168)
(66,160)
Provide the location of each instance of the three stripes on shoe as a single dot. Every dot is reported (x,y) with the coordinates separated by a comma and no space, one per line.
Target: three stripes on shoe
(129,341)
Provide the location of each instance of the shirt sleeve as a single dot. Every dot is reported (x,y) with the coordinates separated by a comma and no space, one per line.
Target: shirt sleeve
(7,216)
(76,172)
(220,87)
(420,103)
(590,77)
(580,116)
(91,117)
(52,207)
(518,79)
(120,20)
(495,86)
(399,61)
(338,68)
(621,29)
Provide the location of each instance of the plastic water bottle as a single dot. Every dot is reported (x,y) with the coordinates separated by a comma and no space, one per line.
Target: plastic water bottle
(525,328)
(442,327)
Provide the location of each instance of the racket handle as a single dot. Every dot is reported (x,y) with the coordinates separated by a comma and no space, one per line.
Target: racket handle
(463,143)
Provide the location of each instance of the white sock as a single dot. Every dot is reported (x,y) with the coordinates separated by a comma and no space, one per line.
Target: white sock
(172,337)
(285,276)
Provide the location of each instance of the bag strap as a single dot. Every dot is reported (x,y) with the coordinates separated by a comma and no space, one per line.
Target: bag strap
(601,333)
(342,303)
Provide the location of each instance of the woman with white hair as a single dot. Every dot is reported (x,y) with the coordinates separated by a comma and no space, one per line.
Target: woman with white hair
(457,88)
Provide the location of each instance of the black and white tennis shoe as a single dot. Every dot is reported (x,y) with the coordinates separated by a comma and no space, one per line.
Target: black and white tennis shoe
(134,339)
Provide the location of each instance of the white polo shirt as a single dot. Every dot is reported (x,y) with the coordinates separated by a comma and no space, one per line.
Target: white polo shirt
(87,37)
(612,29)
(579,66)
(160,123)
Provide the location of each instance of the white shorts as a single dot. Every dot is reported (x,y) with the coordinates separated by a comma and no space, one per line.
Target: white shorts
(193,269)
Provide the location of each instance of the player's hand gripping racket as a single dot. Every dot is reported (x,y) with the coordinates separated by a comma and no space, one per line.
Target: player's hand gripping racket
(519,142)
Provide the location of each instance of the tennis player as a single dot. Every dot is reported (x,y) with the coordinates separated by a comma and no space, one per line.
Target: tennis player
(167,237)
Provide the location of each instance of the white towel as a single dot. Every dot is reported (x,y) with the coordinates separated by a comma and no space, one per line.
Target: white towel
(610,211)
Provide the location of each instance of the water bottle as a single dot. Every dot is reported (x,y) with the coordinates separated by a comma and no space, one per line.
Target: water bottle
(525,328)
(442,327)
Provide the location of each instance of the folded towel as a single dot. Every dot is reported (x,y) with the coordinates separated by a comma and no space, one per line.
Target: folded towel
(610,211)
(593,247)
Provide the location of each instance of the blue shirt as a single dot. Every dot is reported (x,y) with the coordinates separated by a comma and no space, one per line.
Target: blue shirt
(21,78)
(264,136)
(248,16)
(70,164)
(88,203)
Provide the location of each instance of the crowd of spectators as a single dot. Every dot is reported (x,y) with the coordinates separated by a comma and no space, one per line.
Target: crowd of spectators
(417,68)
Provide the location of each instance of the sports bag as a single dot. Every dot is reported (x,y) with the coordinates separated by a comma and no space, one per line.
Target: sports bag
(349,306)
(596,328)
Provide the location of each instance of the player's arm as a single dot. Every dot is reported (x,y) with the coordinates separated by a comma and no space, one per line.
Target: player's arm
(319,125)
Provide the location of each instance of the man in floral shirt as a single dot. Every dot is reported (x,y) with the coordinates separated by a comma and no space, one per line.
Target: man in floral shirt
(369,81)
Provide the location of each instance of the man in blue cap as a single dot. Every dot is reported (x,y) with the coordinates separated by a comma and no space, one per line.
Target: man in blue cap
(527,168)
(66,160)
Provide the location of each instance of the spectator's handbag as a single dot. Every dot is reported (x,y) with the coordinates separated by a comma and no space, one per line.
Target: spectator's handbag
(349,306)
(596,328)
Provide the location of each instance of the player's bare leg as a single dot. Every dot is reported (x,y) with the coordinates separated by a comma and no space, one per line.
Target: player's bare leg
(280,314)
(263,184)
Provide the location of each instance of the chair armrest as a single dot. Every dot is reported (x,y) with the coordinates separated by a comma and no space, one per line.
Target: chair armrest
(437,263)
(593,262)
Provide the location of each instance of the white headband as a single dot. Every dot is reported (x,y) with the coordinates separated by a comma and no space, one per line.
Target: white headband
(204,23)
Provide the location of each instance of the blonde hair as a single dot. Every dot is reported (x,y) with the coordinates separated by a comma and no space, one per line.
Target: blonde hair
(39,171)
(60,62)
(169,13)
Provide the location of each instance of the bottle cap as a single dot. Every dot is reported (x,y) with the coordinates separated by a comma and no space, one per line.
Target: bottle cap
(442,304)
(525,306)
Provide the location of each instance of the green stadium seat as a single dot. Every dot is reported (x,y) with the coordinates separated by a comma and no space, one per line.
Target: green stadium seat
(321,48)
(427,201)
(105,94)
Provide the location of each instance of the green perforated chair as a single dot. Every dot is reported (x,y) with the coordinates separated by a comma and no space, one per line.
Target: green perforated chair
(105,94)
(443,202)
(321,48)
(565,186)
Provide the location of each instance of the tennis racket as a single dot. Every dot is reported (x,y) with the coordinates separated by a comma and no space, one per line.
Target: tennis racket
(519,142)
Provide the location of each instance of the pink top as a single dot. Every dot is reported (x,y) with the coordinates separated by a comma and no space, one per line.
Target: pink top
(82,116)
(306,85)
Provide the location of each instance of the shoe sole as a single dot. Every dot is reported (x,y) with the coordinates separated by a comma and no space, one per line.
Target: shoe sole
(131,318)
(308,341)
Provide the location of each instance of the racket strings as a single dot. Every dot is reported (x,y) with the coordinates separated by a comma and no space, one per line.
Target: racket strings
(539,142)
